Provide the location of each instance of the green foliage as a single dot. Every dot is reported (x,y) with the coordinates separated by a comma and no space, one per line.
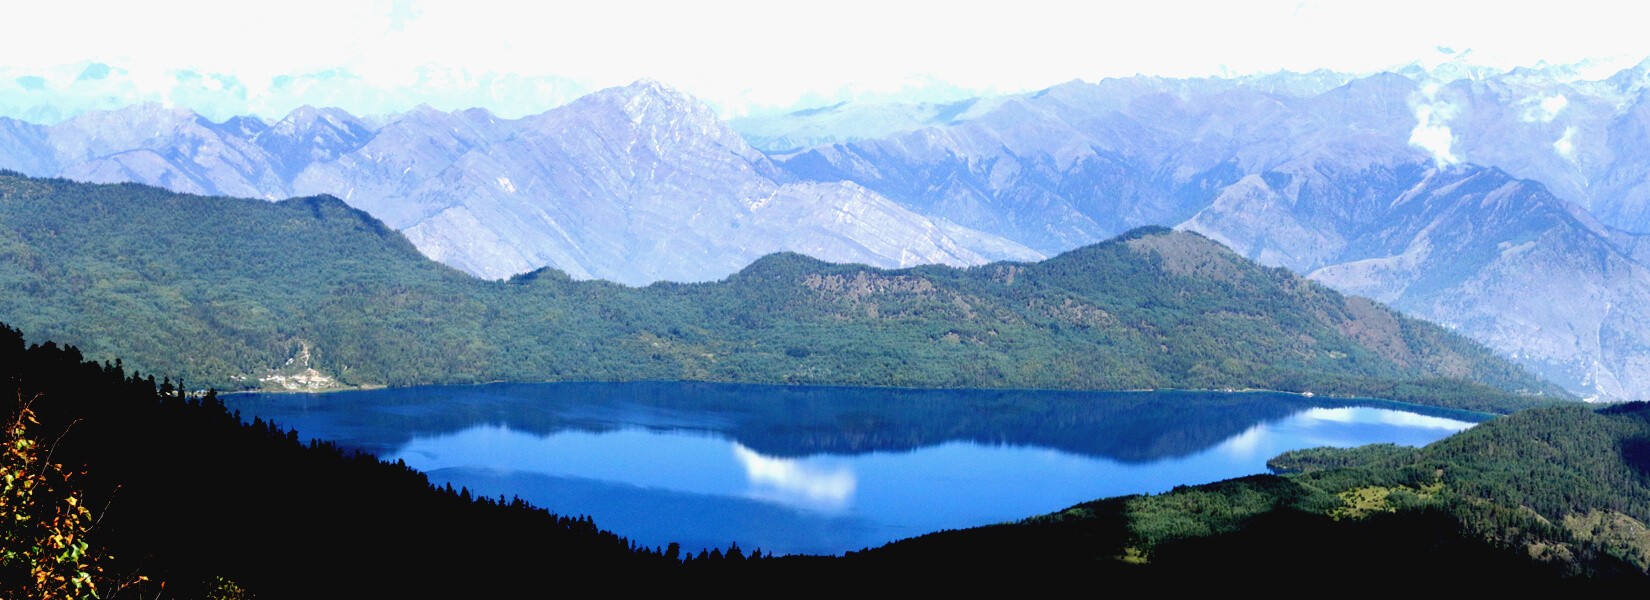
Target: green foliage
(1554,461)
(1620,534)
(1313,460)
(1202,511)
(45,526)
(1565,488)
(1360,503)
(224,589)
(246,294)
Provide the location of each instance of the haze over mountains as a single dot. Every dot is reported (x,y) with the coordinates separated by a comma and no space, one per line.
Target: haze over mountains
(1373,187)
(1509,206)
(633,184)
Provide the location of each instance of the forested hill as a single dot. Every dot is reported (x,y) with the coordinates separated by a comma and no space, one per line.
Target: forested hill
(1549,499)
(308,292)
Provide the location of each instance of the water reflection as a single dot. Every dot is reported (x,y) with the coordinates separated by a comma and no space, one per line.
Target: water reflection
(1388,417)
(825,470)
(795,481)
(679,461)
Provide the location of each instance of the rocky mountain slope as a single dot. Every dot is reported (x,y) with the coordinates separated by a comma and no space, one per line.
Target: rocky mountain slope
(634,184)
(1362,186)
(1475,249)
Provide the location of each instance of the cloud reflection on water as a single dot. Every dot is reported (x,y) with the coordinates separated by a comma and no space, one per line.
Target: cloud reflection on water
(1384,417)
(1247,443)
(1328,427)
(796,482)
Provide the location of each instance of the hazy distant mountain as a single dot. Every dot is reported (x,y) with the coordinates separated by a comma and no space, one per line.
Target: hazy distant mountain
(1587,141)
(863,120)
(1497,258)
(1329,174)
(850,121)
(634,184)
(23,147)
(1078,162)
(1339,184)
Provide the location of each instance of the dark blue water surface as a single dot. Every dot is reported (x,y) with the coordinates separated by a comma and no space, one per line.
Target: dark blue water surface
(823,470)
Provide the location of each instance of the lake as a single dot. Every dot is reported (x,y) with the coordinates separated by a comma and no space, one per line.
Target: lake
(824,470)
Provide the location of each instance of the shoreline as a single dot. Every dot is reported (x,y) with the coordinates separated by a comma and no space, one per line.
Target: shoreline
(1307,394)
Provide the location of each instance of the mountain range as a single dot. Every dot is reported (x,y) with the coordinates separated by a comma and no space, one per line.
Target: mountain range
(1347,185)
(309,293)
(1507,206)
(633,184)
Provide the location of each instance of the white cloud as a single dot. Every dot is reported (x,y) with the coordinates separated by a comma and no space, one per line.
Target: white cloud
(1565,146)
(1432,132)
(1544,109)
(744,54)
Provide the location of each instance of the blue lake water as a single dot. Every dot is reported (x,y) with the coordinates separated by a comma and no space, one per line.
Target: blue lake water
(824,470)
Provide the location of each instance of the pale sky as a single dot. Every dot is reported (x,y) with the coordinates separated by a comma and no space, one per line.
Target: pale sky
(379,56)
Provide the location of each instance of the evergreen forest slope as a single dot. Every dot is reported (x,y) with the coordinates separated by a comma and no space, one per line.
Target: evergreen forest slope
(309,293)
(1547,498)
(171,495)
